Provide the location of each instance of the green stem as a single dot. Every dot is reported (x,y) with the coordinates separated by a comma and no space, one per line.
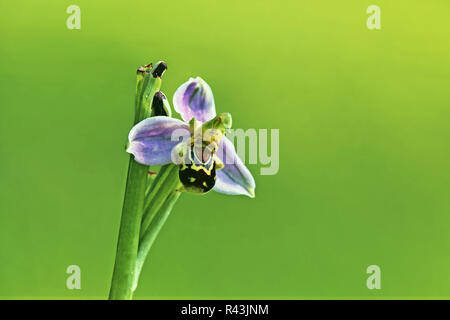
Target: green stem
(127,246)
(129,226)
(158,192)
(154,186)
(152,232)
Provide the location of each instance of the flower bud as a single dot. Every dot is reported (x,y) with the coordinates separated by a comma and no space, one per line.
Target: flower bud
(159,69)
(160,105)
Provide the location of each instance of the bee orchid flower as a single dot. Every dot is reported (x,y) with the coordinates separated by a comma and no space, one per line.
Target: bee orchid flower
(155,140)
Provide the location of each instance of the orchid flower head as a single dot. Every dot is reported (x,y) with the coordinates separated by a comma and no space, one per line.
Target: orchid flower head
(206,157)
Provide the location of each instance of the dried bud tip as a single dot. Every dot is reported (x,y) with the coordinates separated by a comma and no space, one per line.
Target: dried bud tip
(145,68)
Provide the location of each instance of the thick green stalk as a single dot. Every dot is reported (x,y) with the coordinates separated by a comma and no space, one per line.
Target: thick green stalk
(129,227)
(148,83)
(152,232)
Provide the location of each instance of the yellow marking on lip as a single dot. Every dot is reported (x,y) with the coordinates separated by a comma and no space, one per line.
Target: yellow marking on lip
(198,168)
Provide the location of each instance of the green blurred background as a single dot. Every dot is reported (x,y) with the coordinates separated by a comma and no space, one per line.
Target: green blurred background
(364,147)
